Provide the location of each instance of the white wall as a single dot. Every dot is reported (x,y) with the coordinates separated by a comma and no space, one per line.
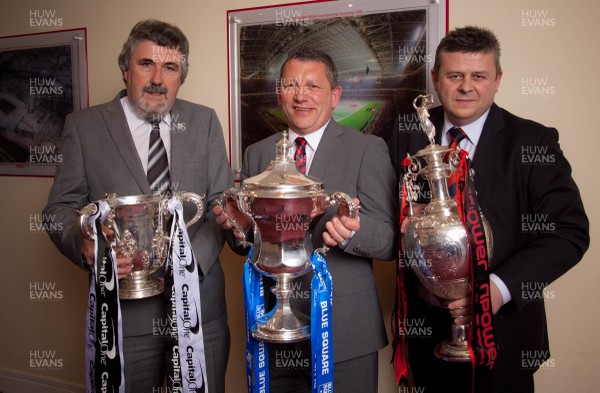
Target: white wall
(565,53)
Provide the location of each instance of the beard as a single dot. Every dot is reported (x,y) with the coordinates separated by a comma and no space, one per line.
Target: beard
(151,113)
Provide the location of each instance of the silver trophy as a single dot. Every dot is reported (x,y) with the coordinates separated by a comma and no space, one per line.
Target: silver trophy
(435,243)
(138,227)
(281,202)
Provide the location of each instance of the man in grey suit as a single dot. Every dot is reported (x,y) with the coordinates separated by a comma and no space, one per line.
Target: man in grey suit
(348,161)
(105,149)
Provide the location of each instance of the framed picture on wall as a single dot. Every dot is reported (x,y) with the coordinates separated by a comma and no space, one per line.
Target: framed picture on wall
(383,50)
(43,77)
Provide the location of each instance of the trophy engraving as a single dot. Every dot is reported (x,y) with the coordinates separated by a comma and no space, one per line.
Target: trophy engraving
(282,203)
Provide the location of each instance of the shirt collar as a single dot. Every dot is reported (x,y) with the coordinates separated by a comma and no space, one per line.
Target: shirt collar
(473,130)
(313,139)
(133,119)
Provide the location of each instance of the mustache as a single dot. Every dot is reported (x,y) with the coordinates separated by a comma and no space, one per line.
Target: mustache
(156,89)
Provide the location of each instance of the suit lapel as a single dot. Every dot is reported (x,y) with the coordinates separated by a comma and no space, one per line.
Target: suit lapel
(117,126)
(327,150)
(490,143)
(180,143)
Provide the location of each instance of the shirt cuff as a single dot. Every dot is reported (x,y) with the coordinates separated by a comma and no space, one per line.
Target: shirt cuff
(506,296)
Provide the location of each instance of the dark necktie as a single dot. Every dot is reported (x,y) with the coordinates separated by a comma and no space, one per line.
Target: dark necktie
(300,155)
(456,136)
(158,163)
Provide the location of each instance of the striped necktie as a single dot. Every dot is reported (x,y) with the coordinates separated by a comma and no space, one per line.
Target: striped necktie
(300,155)
(456,136)
(158,163)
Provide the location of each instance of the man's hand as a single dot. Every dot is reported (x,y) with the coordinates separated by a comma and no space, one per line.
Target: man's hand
(462,311)
(124,264)
(224,220)
(340,227)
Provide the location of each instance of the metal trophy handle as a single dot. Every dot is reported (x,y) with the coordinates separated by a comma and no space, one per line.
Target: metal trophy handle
(349,209)
(196,200)
(230,196)
(87,228)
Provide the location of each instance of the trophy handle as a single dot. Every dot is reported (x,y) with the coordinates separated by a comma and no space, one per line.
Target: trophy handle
(222,201)
(197,201)
(349,208)
(87,228)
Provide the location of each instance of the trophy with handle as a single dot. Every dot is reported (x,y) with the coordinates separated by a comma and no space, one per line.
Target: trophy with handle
(281,203)
(137,227)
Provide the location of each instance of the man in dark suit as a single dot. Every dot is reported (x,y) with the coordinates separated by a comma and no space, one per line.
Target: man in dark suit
(105,149)
(348,161)
(525,190)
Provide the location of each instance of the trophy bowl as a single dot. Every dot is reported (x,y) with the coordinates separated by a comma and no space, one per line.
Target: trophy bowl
(138,227)
(282,203)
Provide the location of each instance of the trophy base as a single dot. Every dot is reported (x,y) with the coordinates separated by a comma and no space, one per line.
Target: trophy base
(450,352)
(263,333)
(140,287)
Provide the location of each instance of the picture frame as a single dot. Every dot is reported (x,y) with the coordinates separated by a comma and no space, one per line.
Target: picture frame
(384,51)
(43,78)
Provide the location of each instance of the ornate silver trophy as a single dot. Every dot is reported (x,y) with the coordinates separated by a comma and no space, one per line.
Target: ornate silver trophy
(137,227)
(281,202)
(435,243)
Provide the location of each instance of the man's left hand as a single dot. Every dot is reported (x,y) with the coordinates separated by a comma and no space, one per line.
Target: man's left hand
(340,227)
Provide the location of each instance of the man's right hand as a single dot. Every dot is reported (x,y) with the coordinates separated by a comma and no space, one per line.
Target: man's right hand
(224,220)
(124,264)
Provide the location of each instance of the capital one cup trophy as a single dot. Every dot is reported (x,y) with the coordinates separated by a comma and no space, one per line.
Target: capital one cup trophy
(281,202)
(436,245)
(138,228)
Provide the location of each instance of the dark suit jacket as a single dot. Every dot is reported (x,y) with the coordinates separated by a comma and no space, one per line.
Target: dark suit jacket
(99,156)
(540,229)
(358,165)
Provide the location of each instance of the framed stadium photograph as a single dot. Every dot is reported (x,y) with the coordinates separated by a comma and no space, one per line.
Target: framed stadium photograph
(383,50)
(44,78)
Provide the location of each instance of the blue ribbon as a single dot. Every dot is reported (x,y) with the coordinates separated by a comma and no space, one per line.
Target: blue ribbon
(320,327)
(257,354)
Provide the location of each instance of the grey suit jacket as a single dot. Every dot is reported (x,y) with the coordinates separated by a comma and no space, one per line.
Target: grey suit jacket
(99,156)
(358,165)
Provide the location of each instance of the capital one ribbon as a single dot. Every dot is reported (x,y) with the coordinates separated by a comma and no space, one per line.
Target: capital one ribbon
(104,343)
(186,366)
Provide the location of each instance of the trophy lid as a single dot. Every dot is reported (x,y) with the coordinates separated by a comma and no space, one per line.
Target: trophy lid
(281,179)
